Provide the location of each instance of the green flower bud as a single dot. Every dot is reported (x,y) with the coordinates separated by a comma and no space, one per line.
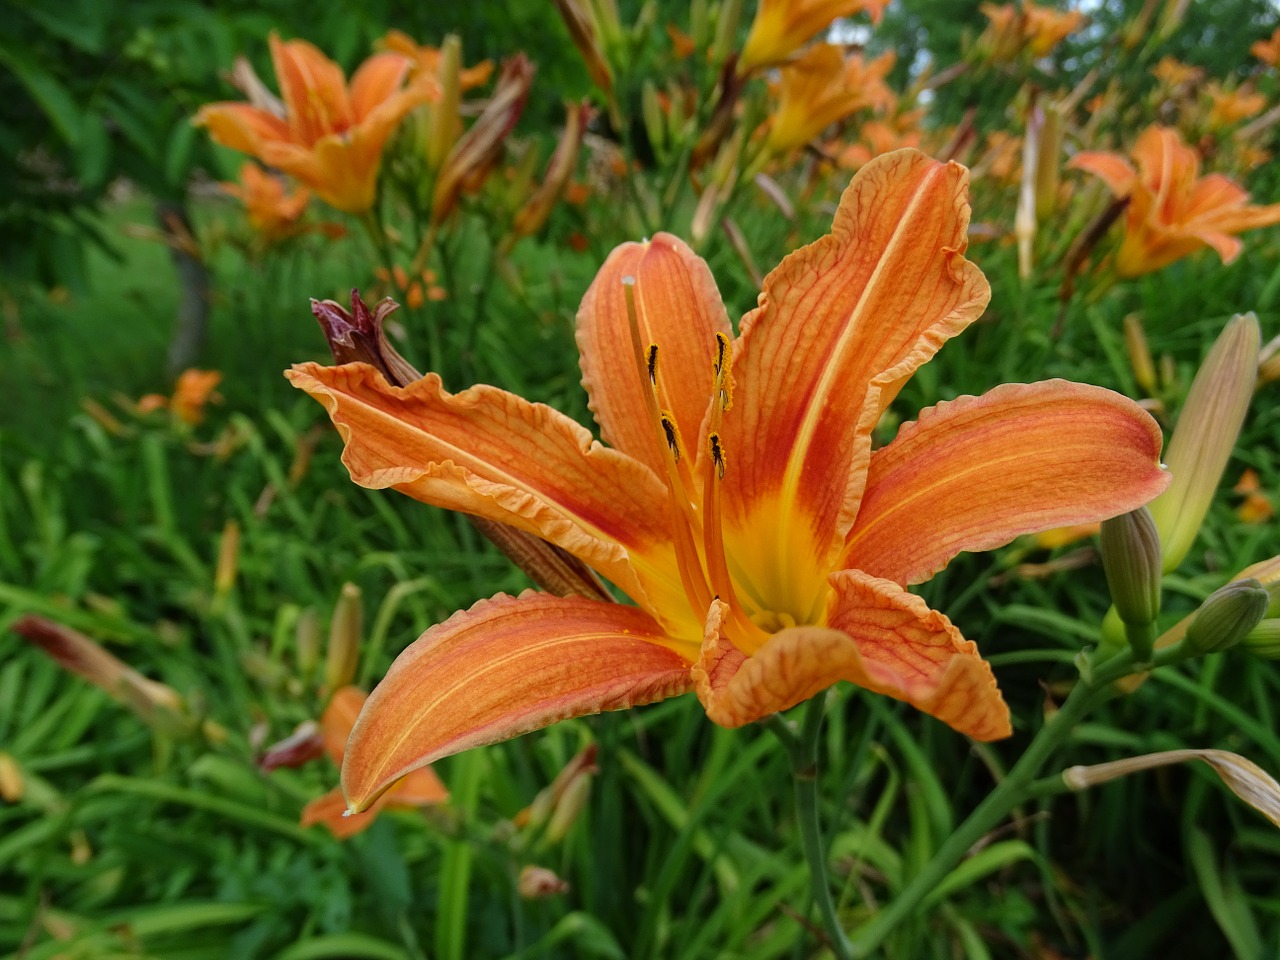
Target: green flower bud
(1205,435)
(1264,639)
(1267,573)
(342,656)
(1227,616)
(1131,560)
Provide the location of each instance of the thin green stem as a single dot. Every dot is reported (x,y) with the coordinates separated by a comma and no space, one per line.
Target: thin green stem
(802,750)
(1015,788)
(372,224)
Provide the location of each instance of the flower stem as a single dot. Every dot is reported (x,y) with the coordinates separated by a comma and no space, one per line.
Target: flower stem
(1017,786)
(802,750)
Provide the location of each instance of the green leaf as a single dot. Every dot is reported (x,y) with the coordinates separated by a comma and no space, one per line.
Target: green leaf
(986,861)
(81,23)
(591,938)
(177,156)
(49,94)
(356,946)
(1224,897)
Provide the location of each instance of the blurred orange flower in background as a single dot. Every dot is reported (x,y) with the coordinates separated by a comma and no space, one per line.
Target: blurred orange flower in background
(1268,51)
(1256,506)
(1175,73)
(1232,106)
(193,391)
(328,136)
(416,290)
(881,136)
(1030,27)
(429,60)
(1046,27)
(822,87)
(781,27)
(1173,211)
(272,210)
(422,788)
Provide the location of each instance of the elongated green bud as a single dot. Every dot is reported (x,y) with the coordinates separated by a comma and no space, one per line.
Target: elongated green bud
(1264,639)
(1227,617)
(343,653)
(1267,573)
(1131,560)
(1205,435)
(1144,368)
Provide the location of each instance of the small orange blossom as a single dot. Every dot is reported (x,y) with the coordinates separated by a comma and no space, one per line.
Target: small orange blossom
(1173,211)
(421,788)
(782,26)
(330,136)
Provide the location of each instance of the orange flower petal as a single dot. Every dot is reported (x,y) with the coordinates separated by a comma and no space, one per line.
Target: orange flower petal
(976,472)
(877,636)
(330,810)
(679,309)
(504,668)
(1114,170)
(421,788)
(313,89)
(781,26)
(841,325)
(241,127)
(375,81)
(488,452)
(339,717)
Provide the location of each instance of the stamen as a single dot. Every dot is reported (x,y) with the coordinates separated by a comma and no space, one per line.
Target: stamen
(717,454)
(724,371)
(672,433)
(746,635)
(684,521)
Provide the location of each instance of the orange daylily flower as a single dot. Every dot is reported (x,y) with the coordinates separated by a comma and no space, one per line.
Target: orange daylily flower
(421,788)
(822,87)
(274,212)
(1173,211)
(1046,27)
(682,44)
(1036,29)
(739,504)
(1268,51)
(1256,506)
(192,392)
(1229,107)
(880,136)
(331,135)
(782,26)
(1174,73)
(429,59)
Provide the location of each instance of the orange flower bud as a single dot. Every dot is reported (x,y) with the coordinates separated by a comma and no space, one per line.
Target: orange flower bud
(531,217)
(538,883)
(474,154)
